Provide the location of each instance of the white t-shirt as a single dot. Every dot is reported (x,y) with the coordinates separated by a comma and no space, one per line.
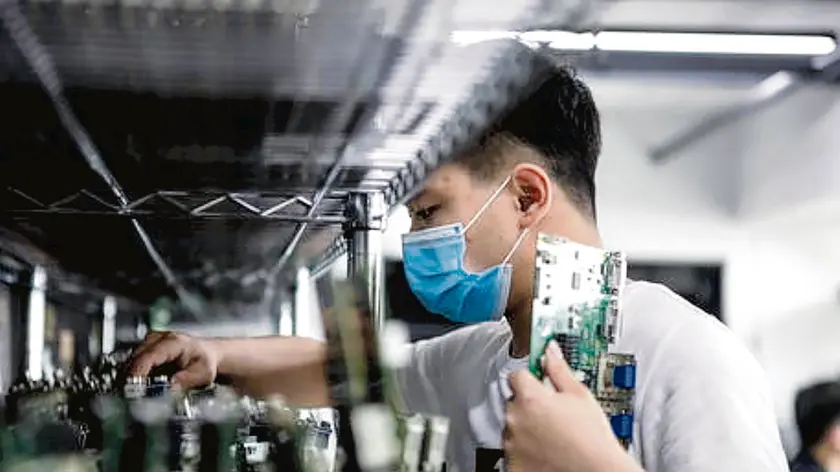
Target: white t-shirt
(702,402)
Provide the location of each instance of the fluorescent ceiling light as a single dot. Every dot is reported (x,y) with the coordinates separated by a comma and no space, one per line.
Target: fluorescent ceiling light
(715,43)
(686,43)
(465,37)
(561,39)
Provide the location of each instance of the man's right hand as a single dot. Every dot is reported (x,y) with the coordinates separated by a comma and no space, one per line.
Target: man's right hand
(197,359)
(292,367)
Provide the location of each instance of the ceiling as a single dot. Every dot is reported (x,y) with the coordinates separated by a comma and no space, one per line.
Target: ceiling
(739,15)
(388,86)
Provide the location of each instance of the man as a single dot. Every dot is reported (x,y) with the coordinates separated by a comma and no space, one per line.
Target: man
(817,410)
(701,405)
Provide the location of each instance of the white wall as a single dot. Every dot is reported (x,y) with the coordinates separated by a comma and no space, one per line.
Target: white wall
(793,160)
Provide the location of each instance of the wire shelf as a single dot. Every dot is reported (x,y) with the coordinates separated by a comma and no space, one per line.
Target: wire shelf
(370,103)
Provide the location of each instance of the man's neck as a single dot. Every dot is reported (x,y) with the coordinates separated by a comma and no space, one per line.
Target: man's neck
(520,326)
(577,229)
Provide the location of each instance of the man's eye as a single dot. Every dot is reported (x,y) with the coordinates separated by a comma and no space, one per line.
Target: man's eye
(426,213)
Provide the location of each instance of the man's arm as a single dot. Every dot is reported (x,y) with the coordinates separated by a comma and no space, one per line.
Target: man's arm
(289,366)
(292,367)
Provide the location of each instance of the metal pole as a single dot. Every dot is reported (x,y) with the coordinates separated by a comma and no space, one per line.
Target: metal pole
(772,89)
(286,325)
(364,232)
(303,312)
(6,346)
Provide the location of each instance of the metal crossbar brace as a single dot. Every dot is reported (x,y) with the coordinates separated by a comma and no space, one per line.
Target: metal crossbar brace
(247,206)
(37,57)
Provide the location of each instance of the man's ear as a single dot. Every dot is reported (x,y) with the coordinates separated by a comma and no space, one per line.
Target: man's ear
(533,190)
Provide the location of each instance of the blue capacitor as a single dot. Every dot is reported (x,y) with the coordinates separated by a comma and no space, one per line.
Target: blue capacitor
(624,376)
(622,425)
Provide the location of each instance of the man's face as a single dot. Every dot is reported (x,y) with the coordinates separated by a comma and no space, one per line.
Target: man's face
(453,196)
(832,437)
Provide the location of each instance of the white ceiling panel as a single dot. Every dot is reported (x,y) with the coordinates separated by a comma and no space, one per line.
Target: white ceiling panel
(650,93)
(723,14)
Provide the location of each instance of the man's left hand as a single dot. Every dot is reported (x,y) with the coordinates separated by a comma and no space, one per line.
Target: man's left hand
(559,427)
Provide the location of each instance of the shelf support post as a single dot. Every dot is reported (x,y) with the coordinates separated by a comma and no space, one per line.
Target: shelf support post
(364,232)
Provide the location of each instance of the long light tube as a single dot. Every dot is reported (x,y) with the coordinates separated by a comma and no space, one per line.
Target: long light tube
(662,42)
(109,324)
(36,317)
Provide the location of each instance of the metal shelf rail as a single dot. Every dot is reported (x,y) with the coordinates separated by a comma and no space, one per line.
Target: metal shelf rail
(177,204)
(503,78)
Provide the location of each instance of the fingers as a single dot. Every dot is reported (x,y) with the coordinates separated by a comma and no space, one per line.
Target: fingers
(558,371)
(188,379)
(166,349)
(149,342)
(521,382)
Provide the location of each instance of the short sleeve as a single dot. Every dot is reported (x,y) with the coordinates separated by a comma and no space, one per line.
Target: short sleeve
(418,383)
(714,411)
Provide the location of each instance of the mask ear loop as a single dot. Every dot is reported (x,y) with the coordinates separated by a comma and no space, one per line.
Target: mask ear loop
(519,239)
(516,245)
(487,204)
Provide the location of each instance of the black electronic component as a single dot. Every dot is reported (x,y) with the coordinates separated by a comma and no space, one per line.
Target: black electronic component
(570,346)
(217,439)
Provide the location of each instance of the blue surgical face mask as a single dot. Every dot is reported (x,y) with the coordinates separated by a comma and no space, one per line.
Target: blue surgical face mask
(434,267)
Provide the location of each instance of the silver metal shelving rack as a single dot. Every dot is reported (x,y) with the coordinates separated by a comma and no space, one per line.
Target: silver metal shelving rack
(349,218)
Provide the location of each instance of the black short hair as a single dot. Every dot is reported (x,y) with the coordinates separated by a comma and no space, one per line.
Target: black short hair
(559,121)
(817,409)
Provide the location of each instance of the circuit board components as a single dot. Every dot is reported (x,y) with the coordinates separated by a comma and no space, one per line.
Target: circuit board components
(577,302)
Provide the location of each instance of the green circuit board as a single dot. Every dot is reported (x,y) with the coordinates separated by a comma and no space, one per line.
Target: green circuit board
(577,293)
(577,302)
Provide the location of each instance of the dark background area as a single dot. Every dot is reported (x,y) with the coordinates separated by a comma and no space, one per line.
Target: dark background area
(700,284)
(403,305)
(78,311)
